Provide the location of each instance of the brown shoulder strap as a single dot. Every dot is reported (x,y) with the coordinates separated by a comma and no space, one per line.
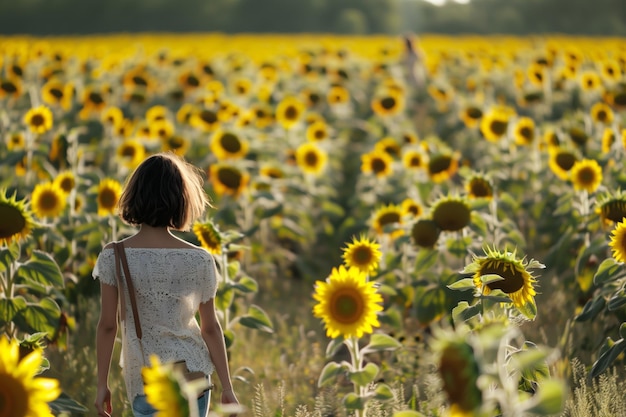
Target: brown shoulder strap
(121,258)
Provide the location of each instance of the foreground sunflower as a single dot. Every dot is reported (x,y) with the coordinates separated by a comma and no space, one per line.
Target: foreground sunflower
(311,158)
(209,237)
(586,175)
(16,220)
(517,282)
(48,200)
(109,192)
(22,393)
(611,207)
(363,254)
(347,303)
(163,391)
(618,242)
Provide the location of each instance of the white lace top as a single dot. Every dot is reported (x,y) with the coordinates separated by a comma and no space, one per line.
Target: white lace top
(170,284)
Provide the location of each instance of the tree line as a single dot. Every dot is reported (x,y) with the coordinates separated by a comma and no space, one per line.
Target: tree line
(518,17)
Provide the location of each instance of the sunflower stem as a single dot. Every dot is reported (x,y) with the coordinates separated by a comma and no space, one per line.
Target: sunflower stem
(357,364)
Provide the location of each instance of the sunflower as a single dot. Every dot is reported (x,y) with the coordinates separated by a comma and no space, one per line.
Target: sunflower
(226,144)
(337,94)
(494,125)
(551,138)
(16,220)
(311,97)
(177,144)
(271,171)
(48,200)
(363,254)
(602,113)
(517,283)
(586,175)
(39,119)
(608,139)
(618,242)
(388,145)
(16,141)
(561,162)
(451,213)
(443,166)
(54,92)
(414,159)
(479,186)
(205,120)
(411,208)
(124,128)
(388,104)
(311,158)
(459,372)
(189,80)
(227,111)
(109,192)
(185,113)
(137,77)
(611,70)
(536,74)
(228,179)
(209,236)
(389,216)
(130,153)
(524,131)
(317,131)
(113,116)
(590,81)
(289,112)
(425,233)
(347,303)
(163,390)
(612,207)
(241,87)
(409,138)
(66,181)
(22,392)
(471,116)
(377,162)
(441,94)
(10,88)
(93,100)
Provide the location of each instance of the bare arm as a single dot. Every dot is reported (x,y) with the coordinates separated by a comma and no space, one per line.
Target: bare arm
(213,336)
(105,339)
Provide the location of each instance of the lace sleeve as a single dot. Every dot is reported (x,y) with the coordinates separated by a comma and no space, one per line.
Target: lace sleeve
(104,269)
(210,280)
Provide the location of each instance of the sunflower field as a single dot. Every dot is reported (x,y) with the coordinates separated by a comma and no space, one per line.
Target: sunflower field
(403,226)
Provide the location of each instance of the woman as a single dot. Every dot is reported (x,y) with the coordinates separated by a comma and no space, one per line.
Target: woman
(173,280)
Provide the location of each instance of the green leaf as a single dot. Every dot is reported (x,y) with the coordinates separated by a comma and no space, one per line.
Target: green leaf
(529,310)
(496,298)
(622,330)
(607,358)
(9,255)
(333,347)
(383,392)
(353,402)
(41,268)
(229,337)
(549,398)
(379,342)
(478,224)
(459,247)
(65,404)
(224,297)
(617,301)
(529,360)
(329,372)
(429,303)
(425,259)
(42,317)
(463,311)
(365,375)
(609,270)
(489,278)
(247,285)
(463,285)
(233,269)
(392,317)
(9,307)
(591,309)
(265,213)
(257,319)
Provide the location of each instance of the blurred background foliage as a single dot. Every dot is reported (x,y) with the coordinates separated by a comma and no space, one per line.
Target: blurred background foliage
(518,17)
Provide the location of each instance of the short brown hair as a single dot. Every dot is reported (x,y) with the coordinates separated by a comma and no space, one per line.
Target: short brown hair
(164,191)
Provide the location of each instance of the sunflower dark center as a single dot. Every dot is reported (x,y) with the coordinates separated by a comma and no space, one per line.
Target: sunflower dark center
(378,165)
(9,87)
(602,116)
(460,387)
(96,98)
(14,400)
(389,218)
(208,70)
(513,278)
(587,176)
(415,161)
(578,135)
(107,198)
(12,223)
(242,89)
(37,120)
(362,255)
(230,177)
(480,188)
(48,200)
(175,142)
(439,164)
(129,151)
(139,80)
(193,81)
(388,103)
(67,184)
(56,93)
(291,113)
(311,159)
(614,210)
(620,98)
(319,134)
(451,215)
(208,116)
(527,133)
(474,113)
(347,307)
(314,98)
(498,127)
(17,70)
(231,142)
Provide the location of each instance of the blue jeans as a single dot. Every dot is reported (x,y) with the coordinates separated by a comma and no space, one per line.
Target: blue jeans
(141,407)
